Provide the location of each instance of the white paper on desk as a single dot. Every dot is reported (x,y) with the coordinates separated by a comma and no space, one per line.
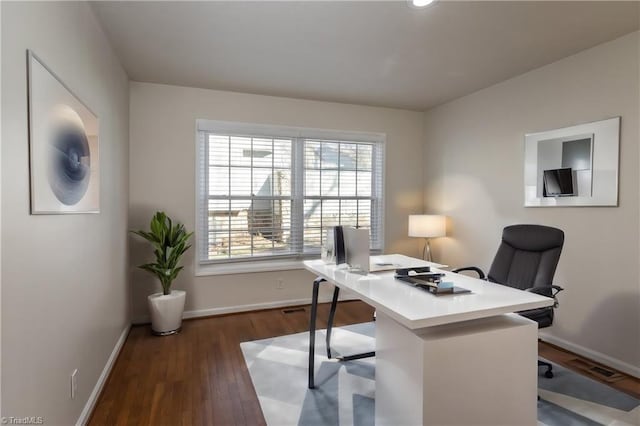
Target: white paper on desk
(328,251)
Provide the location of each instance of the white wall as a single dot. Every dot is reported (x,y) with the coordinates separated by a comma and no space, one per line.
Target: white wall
(474,153)
(65,299)
(0,217)
(162,170)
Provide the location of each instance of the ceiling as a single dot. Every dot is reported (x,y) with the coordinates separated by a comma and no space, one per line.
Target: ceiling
(370,53)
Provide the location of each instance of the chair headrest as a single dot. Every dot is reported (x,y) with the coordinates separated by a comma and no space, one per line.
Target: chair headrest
(533,237)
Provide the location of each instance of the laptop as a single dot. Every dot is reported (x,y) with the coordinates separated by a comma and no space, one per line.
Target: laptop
(356,244)
(356,247)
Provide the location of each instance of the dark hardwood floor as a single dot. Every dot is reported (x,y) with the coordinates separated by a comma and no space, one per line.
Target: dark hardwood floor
(199,376)
(621,381)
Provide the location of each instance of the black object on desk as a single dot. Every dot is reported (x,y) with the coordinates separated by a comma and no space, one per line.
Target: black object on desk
(432,283)
(416,270)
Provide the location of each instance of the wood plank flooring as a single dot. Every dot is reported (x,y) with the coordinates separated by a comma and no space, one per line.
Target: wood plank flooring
(568,360)
(198,377)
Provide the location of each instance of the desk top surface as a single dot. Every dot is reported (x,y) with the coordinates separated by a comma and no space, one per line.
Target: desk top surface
(416,308)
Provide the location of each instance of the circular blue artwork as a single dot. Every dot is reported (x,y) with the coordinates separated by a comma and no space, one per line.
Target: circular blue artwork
(70,161)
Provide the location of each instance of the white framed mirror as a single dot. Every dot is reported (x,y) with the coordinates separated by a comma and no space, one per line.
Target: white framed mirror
(573,166)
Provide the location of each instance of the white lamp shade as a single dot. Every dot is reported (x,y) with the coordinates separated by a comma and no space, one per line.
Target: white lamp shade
(427,225)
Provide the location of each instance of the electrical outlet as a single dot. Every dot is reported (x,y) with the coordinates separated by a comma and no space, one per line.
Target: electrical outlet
(280,284)
(74,383)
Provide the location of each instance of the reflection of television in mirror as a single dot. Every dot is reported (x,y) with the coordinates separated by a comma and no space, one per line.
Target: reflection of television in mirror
(558,183)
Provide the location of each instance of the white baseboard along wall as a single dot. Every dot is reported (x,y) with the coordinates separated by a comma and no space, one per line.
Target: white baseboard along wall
(246,308)
(97,389)
(593,355)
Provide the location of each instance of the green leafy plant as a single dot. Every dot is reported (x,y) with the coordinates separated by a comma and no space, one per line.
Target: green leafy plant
(170,241)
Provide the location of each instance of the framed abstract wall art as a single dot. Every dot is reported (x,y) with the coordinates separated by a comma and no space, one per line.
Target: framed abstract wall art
(64,156)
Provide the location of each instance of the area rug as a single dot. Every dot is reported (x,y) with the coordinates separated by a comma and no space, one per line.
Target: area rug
(345,392)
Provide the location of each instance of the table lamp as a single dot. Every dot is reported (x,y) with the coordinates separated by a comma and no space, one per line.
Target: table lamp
(427,226)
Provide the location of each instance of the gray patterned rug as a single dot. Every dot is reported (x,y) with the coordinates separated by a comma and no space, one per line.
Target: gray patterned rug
(345,392)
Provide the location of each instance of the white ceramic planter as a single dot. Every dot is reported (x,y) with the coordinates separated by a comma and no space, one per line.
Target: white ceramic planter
(166,312)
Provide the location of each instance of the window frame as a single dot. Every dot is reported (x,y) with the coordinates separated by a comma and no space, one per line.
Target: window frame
(298,135)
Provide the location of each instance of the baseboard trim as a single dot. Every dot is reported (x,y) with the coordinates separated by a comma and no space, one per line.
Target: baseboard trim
(246,308)
(95,394)
(593,355)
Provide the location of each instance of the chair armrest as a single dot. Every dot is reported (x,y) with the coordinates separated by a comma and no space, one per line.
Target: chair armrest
(471,268)
(555,289)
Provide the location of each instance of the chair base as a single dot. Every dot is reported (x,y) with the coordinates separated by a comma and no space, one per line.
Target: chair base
(549,373)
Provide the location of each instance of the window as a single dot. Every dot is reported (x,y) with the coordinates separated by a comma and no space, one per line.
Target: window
(269,192)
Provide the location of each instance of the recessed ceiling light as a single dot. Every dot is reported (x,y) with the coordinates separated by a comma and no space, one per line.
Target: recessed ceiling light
(421,3)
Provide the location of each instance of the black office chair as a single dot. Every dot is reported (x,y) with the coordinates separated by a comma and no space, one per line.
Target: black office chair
(527,260)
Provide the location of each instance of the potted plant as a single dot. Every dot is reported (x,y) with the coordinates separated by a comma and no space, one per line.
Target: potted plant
(169,241)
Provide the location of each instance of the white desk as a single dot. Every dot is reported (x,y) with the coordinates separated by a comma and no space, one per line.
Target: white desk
(448,359)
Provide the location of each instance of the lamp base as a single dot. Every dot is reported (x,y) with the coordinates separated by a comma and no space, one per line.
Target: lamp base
(426,252)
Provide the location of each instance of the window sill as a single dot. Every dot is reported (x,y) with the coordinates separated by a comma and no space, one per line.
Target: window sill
(248,267)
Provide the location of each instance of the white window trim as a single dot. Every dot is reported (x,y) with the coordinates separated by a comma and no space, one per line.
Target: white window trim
(252,265)
(247,267)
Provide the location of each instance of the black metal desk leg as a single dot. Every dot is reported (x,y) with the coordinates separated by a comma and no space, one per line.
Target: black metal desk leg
(312,329)
(332,314)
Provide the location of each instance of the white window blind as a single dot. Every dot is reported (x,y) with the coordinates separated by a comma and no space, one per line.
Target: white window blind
(266,192)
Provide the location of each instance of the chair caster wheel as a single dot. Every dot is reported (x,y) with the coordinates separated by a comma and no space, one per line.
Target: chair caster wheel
(548,374)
